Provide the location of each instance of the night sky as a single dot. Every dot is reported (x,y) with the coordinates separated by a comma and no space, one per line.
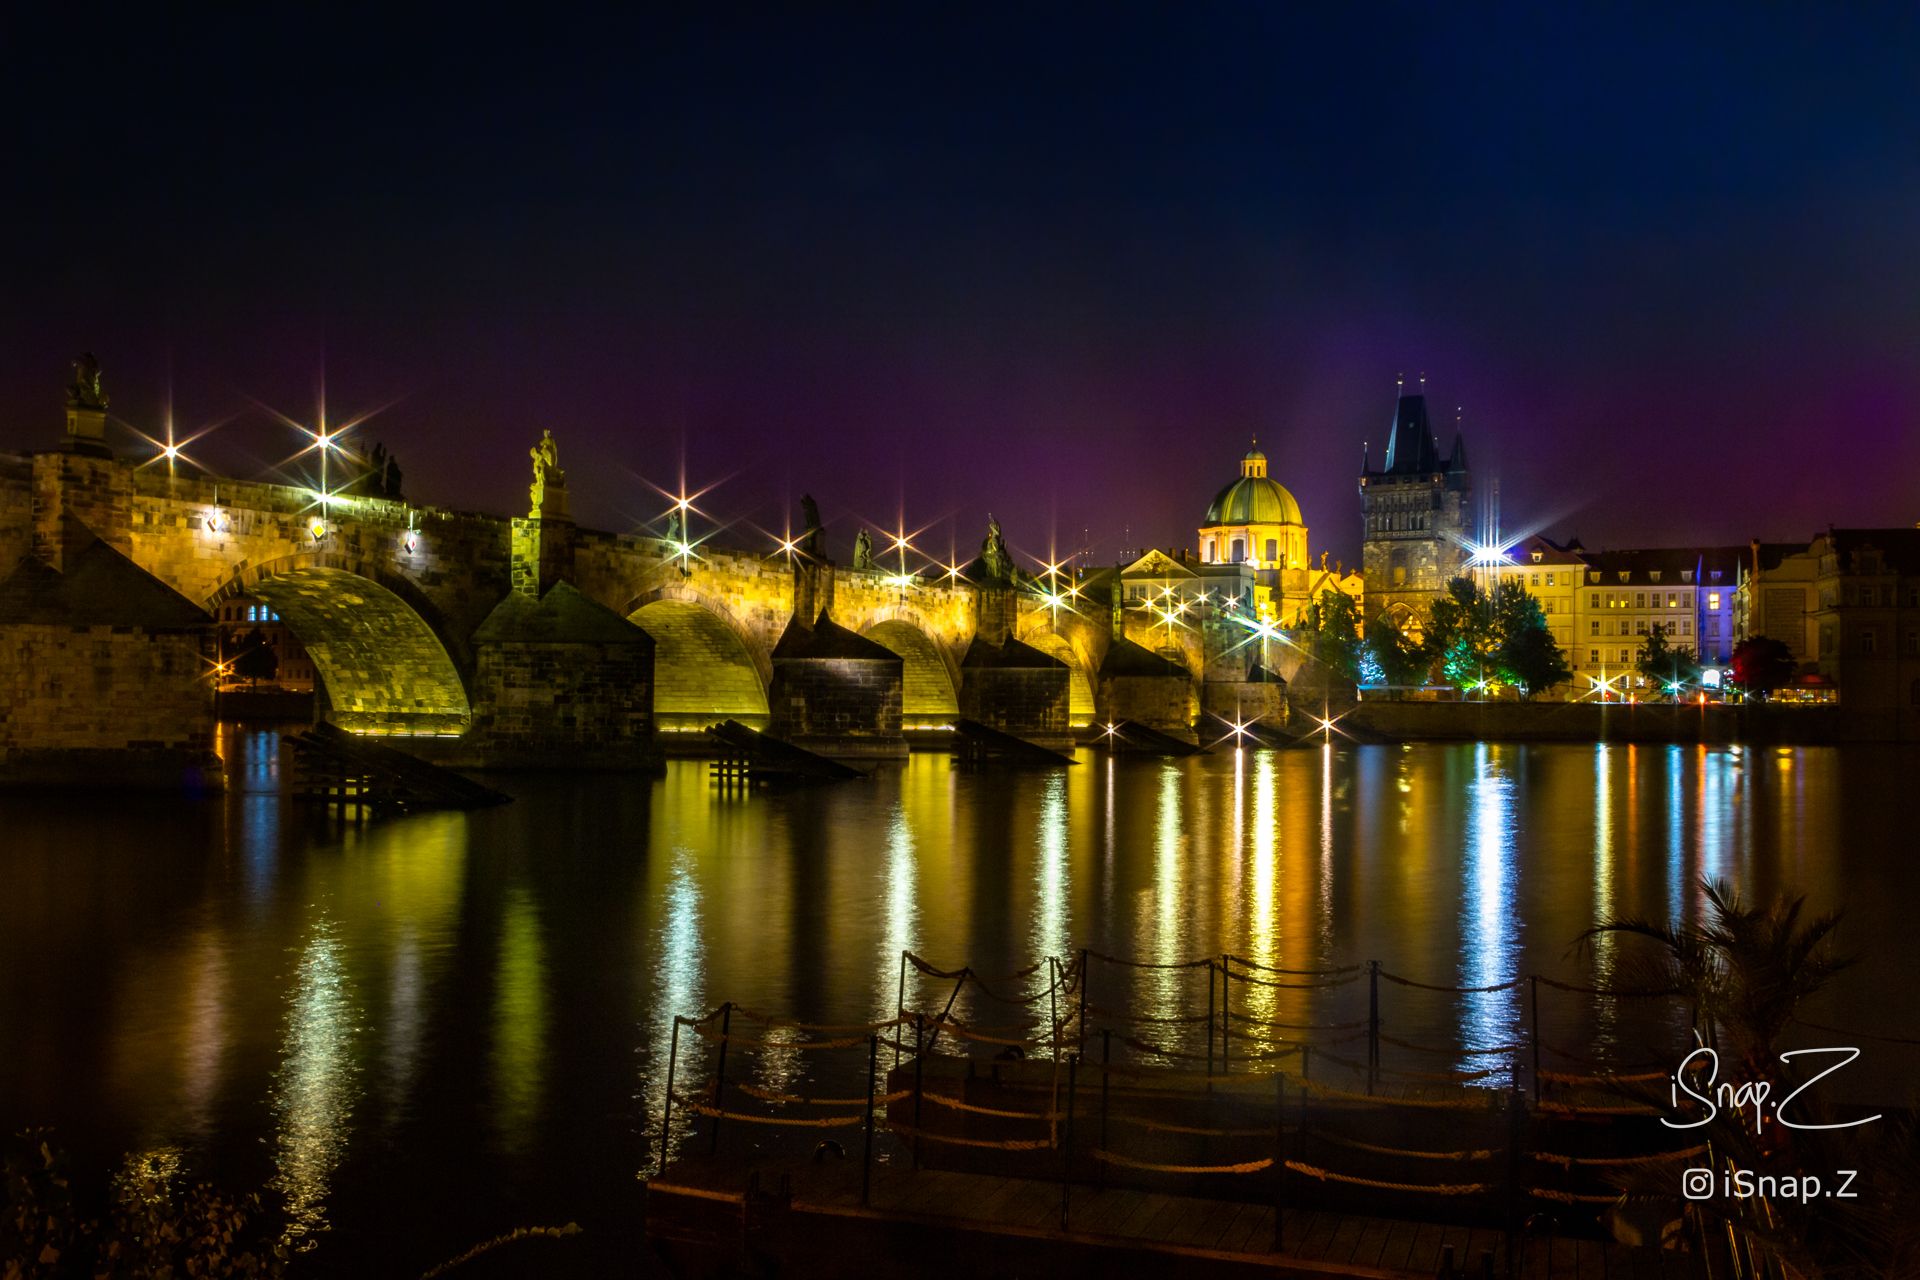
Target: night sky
(964,260)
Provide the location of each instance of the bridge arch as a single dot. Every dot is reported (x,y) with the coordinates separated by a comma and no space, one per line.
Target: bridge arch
(1080,700)
(930,678)
(706,666)
(381,661)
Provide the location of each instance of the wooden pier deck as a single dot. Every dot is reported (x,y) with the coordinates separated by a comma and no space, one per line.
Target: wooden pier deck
(710,1215)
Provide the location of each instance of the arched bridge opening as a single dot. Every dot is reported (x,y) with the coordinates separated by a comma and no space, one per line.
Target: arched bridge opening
(1080,705)
(380,665)
(703,668)
(928,696)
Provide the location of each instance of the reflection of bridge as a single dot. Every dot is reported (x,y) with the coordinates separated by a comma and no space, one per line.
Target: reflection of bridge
(401,608)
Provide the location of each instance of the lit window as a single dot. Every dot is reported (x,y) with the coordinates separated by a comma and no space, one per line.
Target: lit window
(1713,599)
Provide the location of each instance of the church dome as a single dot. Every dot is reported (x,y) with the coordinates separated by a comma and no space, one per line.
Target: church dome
(1254,498)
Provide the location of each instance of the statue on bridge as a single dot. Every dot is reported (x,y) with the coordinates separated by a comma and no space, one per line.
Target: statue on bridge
(86,391)
(993,554)
(549,481)
(863,550)
(809,540)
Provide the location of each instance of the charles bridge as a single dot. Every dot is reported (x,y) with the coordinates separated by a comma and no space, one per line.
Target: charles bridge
(534,640)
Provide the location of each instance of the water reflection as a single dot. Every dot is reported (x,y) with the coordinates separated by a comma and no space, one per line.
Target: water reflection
(490,997)
(1490,943)
(316,1085)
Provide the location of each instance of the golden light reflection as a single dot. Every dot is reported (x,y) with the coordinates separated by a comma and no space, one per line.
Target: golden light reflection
(519,1022)
(316,1086)
(900,926)
(1052,930)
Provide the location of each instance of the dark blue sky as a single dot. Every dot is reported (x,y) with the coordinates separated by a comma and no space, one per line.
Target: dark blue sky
(1057,267)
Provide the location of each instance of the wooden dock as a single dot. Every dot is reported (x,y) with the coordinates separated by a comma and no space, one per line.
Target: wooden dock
(334,767)
(711,1215)
(749,758)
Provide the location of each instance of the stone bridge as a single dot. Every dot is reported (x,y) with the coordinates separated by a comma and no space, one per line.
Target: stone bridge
(392,601)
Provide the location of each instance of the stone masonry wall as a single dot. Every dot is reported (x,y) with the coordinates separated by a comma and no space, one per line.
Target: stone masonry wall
(838,706)
(1028,702)
(563,705)
(1166,703)
(104,705)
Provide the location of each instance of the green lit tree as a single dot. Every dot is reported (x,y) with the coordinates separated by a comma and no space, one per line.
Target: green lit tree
(1400,660)
(1669,668)
(1524,650)
(1333,624)
(1460,638)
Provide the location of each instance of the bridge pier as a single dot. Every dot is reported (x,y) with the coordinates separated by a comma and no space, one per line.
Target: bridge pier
(1017,689)
(836,693)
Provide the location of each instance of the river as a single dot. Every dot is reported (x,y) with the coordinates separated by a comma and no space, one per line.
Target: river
(429,1030)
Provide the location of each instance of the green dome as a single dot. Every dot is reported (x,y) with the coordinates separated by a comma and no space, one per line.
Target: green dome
(1254,500)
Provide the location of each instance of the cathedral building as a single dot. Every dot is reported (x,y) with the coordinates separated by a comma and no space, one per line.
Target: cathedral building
(1253,542)
(1418,513)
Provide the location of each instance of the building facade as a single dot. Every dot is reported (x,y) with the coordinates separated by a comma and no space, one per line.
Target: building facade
(1417,516)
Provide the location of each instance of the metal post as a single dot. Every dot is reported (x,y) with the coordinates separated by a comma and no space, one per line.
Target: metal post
(1080,1032)
(1226,1016)
(900,1006)
(1209,1017)
(1053,1005)
(1516,1127)
(720,1078)
(1279,1156)
(919,1071)
(866,1157)
(1534,981)
(666,1112)
(1373,1023)
(1066,1141)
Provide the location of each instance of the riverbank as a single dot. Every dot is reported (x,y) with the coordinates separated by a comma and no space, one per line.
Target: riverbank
(1754,723)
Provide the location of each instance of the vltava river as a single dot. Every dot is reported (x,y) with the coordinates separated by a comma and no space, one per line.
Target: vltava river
(428,1031)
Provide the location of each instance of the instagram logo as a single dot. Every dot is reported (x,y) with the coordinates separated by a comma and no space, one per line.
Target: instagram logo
(1697,1184)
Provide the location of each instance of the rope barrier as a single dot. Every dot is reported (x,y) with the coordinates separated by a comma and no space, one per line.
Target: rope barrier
(1240,978)
(1432,1189)
(796,1122)
(955,1104)
(1567,1162)
(1128,1162)
(1508,985)
(1144,1047)
(1311,973)
(1444,1104)
(694,1022)
(1202,963)
(746,1042)
(966,1032)
(1009,1144)
(1157,1126)
(1407,1152)
(768,1095)
(774,1022)
(1568,1108)
(1568,1197)
(1565,1077)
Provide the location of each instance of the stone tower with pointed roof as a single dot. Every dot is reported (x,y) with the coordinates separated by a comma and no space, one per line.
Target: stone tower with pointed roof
(1416,512)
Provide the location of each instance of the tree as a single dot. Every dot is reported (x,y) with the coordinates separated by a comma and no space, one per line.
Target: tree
(1482,640)
(1524,650)
(255,660)
(1666,667)
(1401,662)
(1761,664)
(1460,635)
(1333,623)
